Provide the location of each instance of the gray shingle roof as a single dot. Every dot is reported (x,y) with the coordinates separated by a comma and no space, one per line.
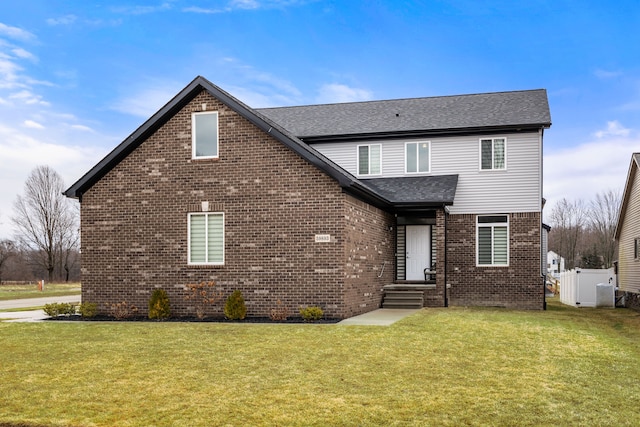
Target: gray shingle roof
(528,108)
(423,190)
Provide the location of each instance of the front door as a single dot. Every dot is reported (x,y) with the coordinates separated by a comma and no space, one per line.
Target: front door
(418,251)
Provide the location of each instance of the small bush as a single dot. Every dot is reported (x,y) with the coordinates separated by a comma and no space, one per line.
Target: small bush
(88,309)
(311,314)
(59,309)
(159,305)
(52,310)
(123,310)
(234,308)
(279,312)
(203,295)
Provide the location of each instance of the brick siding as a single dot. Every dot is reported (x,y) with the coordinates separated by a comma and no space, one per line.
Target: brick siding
(517,286)
(134,225)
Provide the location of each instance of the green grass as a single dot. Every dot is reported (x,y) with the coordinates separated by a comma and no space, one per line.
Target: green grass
(440,367)
(8,292)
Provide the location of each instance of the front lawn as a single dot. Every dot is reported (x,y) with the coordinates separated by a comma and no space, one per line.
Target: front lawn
(8,292)
(440,367)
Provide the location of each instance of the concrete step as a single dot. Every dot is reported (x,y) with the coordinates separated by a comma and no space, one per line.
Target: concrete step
(403,299)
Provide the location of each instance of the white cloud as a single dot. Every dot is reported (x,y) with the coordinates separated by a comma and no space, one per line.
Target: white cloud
(82,128)
(582,171)
(23,54)
(16,33)
(28,98)
(606,74)
(63,20)
(244,4)
(33,125)
(146,101)
(334,92)
(143,10)
(614,128)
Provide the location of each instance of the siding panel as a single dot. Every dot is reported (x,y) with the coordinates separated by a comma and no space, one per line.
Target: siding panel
(516,189)
(628,267)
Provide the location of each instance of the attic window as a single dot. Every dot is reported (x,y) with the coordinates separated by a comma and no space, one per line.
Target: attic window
(204,135)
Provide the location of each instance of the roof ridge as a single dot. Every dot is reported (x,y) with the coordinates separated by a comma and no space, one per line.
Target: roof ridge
(403,99)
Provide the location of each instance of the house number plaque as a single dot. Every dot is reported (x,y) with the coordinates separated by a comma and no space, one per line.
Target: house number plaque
(323,238)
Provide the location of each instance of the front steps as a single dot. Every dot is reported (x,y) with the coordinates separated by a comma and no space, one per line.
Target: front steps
(405,295)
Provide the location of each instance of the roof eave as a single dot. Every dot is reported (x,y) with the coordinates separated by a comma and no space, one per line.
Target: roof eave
(531,127)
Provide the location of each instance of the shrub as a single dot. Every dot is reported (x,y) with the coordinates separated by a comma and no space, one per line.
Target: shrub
(59,309)
(234,308)
(159,305)
(123,310)
(311,314)
(279,312)
(203,295)
(52,310)
(88,309)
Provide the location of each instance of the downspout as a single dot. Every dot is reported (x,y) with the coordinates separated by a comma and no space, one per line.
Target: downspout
(446,300)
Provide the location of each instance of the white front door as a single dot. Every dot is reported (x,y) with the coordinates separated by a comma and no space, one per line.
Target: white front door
(418,251)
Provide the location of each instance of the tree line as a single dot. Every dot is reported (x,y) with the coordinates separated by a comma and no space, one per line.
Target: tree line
(46,232)
(583,232)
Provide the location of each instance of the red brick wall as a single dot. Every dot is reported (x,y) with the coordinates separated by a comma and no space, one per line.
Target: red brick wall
(134,225)
(369,244)
(435,297)
(517,286)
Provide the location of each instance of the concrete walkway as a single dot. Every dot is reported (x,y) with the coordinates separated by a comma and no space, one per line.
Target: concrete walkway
(379,317)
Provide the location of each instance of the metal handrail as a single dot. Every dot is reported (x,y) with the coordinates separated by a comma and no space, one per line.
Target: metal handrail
(382,269)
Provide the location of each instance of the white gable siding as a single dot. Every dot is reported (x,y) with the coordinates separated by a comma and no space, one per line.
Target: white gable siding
(516,189)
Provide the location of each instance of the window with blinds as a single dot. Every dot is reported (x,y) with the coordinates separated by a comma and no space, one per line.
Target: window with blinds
(206,238)
(369,159)
(493,154)
(492,240)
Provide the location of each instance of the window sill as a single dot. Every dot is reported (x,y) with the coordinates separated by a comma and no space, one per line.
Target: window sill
(205,266)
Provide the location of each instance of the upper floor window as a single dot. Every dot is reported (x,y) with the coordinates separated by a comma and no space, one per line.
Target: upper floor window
(492,240)
(417,157)
(636,248)
(206,238)
(369,159)
(204,135)
(493,154)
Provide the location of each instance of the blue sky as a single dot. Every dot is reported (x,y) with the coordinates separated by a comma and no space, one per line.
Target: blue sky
(77,77)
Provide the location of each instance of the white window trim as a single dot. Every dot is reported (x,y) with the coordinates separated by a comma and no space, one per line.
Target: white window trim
(493,169)
(417,157)
(369,153)
(193,135)
(492,224)
(206,238)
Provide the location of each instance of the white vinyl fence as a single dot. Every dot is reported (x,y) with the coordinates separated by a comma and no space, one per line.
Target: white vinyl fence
(588,288)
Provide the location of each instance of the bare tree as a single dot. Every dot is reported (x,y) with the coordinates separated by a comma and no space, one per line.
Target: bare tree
(603,216)
(43,218)
(568,219)
(7,250)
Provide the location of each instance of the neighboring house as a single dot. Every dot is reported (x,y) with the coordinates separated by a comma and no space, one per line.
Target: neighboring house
(323,205)
(555,264)
(628,237)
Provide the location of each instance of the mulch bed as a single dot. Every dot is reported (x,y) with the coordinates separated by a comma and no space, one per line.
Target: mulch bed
(103,318)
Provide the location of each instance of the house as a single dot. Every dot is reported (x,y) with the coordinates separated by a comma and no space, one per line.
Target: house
(436,201)
(555,264)
(627,235)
